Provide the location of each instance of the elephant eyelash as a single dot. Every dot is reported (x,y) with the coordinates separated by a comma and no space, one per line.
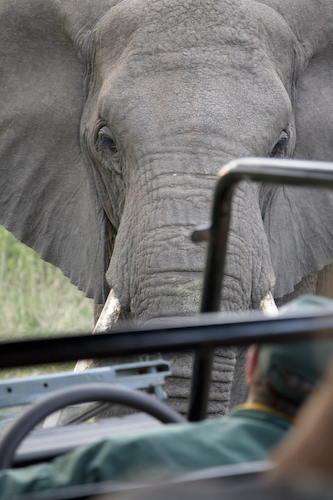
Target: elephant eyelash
(107,149)
(106,139)
(281,147)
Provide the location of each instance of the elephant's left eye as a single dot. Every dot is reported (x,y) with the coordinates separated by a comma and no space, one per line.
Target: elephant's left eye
(281,147)
(107,149)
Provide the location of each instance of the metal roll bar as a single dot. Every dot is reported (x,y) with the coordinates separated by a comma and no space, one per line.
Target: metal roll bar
(201,332)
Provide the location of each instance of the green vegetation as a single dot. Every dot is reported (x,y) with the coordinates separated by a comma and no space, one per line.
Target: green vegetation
(35,298)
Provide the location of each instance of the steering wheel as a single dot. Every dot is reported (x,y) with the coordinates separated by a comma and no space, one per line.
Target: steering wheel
(84,393)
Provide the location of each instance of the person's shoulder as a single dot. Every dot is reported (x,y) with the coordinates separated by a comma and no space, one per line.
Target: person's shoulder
(261,414)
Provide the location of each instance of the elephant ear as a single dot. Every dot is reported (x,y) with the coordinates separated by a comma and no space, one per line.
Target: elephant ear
(299,221)
(47,195)
(299,226)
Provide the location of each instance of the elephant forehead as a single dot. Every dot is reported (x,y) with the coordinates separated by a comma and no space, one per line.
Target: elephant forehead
(150,27)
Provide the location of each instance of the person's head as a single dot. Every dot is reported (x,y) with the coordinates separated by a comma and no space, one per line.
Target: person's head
(282,375)
(306,457)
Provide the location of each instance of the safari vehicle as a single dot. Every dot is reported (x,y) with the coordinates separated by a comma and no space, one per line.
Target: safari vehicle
(201,334)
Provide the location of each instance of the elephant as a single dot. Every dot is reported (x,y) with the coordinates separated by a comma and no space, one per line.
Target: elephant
(117,115)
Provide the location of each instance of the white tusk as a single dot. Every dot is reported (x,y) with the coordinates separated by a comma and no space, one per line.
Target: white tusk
(110,314)
(108,318)
(268,306)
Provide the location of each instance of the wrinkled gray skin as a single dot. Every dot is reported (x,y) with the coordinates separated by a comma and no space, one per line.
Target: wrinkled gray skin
(115,119)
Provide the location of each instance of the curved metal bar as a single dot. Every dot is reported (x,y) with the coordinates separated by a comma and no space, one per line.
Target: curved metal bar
(274,171)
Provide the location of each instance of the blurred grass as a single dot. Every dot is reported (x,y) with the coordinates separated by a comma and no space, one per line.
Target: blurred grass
(37,300)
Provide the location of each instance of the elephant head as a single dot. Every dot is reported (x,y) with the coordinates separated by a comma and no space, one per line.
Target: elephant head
(116,116)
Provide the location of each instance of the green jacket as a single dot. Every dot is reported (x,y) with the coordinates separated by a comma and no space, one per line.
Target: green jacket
(243,436)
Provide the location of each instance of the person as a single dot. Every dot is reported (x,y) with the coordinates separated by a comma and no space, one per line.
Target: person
(280,377)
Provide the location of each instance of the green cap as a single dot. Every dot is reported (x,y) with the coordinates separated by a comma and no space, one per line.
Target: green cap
(306,360)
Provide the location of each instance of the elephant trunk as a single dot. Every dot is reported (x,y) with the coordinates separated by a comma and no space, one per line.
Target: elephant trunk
(155,270)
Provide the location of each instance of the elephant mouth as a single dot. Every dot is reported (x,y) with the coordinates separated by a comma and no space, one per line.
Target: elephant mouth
(112,310)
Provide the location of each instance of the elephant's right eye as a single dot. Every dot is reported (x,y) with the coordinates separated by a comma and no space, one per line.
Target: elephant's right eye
(107,149)
(106,140)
